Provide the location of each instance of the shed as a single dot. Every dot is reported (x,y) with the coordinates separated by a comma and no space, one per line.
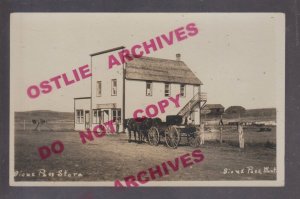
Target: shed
(215,109)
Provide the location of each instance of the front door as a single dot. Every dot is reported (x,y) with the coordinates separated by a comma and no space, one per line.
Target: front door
(87,119)
(105,115)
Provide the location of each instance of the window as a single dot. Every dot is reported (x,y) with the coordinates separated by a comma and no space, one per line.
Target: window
(182,90)
(97,116)
(98,91)
(167,90)
(148,88)
(116,115)
(113,87)
(79,116)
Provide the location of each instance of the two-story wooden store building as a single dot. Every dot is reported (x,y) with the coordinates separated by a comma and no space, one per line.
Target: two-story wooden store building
(116,93)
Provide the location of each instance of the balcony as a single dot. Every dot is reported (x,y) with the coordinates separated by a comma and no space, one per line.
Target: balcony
(203,97)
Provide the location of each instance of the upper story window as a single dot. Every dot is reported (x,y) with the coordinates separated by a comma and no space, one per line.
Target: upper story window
(79,116)
(182,90)
(167,89)
(148,88)
(113,87)
(98,91)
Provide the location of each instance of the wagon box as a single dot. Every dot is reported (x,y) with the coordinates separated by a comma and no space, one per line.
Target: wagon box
(172,131)
(174,119)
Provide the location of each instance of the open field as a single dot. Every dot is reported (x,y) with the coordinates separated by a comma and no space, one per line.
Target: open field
(55,121)
(112,157)
(251,115)
(253,135)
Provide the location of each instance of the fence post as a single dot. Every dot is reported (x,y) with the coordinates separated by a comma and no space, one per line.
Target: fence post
(221,138)
(241,136)
(202,134)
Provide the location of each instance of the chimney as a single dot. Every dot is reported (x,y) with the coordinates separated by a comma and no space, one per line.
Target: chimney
(178,57)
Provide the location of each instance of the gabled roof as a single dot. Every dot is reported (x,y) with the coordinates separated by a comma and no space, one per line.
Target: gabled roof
(210,106)
(161,70)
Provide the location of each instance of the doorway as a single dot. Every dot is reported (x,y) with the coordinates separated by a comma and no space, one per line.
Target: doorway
(105,115)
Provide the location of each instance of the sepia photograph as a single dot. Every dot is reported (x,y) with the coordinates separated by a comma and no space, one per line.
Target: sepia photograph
(147,99)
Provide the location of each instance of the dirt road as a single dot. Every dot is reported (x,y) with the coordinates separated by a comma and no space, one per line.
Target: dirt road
(112,157)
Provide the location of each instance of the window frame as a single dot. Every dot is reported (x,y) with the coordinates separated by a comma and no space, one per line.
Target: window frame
(184,90)
(112,87)
(169,88)
(97,89)
(151,85)
(116,110)
(98,121)
(80,116)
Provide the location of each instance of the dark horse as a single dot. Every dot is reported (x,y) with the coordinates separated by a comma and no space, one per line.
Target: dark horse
(139,126)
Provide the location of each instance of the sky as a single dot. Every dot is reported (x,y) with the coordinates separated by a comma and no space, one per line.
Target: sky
(238,57)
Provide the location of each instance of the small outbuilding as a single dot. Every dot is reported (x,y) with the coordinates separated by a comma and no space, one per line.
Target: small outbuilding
(214,109)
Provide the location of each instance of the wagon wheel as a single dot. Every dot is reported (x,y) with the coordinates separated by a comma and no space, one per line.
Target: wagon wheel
(194,141)
(153,136)
(172,137)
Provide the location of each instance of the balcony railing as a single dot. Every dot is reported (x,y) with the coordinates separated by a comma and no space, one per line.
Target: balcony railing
(203,96)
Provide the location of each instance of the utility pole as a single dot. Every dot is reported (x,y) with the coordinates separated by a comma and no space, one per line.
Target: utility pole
(199,98)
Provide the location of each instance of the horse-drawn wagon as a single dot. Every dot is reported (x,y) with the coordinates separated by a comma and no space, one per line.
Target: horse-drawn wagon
(172,131)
